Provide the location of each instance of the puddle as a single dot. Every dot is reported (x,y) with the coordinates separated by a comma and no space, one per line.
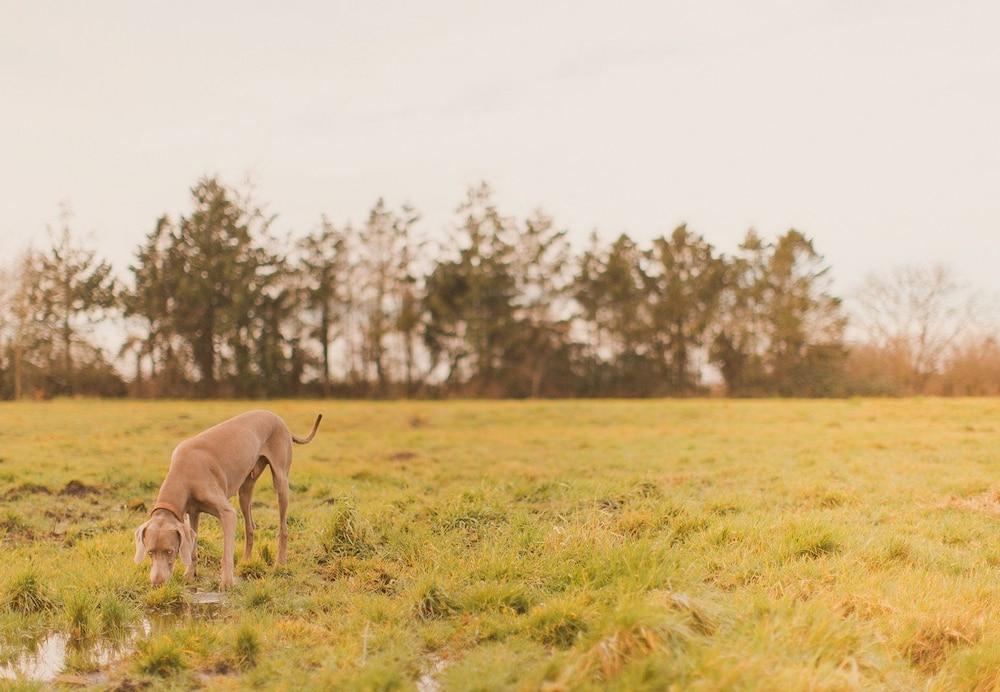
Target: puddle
(45,661)
(207,598)
(428,682)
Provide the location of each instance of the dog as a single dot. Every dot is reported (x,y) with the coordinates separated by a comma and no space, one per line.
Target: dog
(205,471)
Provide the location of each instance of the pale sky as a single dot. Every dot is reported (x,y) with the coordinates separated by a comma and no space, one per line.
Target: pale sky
(873,126)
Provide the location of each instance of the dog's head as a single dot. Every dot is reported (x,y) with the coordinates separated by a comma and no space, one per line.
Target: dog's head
(164,538)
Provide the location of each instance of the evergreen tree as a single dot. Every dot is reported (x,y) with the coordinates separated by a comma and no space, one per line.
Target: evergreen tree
(324,268)
(72,287)
(685,282)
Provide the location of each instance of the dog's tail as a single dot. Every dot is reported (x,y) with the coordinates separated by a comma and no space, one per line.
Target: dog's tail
(308,439)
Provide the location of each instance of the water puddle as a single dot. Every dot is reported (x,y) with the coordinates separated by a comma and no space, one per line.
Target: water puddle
(428,681)
(48,658)
(207,598)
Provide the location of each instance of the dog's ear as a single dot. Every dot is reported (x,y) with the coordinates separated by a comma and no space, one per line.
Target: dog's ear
(140,549)
(188,537)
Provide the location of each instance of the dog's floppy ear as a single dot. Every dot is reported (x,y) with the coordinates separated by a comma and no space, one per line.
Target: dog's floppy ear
(188,537)
(140,549)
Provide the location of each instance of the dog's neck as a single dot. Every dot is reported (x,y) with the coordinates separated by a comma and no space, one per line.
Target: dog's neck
(173,499)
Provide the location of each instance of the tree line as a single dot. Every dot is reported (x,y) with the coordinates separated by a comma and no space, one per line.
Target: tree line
(216,304)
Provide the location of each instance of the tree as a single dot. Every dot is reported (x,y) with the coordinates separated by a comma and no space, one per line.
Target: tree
(806,320)
(217,298)
(541,275)
(72,287)
(324,267)
(913,316)
(219,272)
(612,287)
(21,323)
(150,302)
(387,253)
(782,330)
(685,282)
(740,340)
(470,298)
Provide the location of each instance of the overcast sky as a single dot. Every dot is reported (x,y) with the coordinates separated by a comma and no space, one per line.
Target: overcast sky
(872,126)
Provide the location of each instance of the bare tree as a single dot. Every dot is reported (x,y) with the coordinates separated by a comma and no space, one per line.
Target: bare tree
(915,314)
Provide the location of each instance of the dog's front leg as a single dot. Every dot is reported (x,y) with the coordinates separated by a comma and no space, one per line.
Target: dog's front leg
(193,572)
(227,517)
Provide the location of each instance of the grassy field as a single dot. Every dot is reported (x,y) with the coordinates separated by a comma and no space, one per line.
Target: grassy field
(539,545)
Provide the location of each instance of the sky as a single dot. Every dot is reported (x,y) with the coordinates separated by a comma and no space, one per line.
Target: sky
(872,125)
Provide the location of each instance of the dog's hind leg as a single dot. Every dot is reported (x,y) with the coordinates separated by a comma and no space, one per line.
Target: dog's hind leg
(280,459)
(246,494)
(281,490)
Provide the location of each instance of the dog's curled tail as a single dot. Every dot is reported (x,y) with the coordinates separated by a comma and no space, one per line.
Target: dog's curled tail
(308,439)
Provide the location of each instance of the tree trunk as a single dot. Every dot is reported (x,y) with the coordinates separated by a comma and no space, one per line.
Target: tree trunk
(67,338)
(409,364)
(325,337)
(17,369)
(205,357)
(138,372)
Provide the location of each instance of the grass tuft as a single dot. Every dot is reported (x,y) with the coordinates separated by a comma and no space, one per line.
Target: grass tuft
(513,598)
(161,657)
(811,541)
(433,602)
(346,533)
(258,596)
(80,615)
(26,594)
(934,640)
(557,623)
(253,569)
(116,616)
(246,647)
(168,598)
(613,652)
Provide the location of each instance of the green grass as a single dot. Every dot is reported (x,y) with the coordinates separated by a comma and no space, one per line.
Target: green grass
(503,545)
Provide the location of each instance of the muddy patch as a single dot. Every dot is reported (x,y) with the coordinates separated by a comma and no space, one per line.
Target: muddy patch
(26,489)
(77,488)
